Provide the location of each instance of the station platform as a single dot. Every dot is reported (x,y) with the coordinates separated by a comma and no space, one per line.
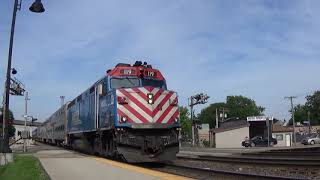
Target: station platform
(65,165)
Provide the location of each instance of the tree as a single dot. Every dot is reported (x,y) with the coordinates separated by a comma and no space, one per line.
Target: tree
(312,105)
(242,107)
(237,106)
(208,114)
(11,128)
(186,123)
(300,113)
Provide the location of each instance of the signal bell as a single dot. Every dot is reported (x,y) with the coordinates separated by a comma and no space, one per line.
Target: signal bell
(37,7)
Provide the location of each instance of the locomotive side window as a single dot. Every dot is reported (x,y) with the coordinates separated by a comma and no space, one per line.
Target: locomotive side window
(124,82)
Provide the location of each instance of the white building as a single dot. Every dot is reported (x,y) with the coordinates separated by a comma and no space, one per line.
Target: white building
(19,126)
(231,137)
(283,135)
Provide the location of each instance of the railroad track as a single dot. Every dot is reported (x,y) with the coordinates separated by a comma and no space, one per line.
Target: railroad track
(207,173)
(254,160)
(284,154)
(255,167)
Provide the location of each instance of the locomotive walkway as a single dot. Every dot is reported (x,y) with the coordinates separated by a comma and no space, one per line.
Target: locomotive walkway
(64,165)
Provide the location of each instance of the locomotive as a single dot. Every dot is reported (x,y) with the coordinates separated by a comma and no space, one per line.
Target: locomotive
(128,113)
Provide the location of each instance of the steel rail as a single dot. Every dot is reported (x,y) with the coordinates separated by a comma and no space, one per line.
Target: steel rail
(254,160)
(228,173)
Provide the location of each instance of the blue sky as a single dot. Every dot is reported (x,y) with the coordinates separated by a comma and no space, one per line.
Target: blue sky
(264,50)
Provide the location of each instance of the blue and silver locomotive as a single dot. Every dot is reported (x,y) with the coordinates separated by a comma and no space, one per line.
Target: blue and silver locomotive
(129,113)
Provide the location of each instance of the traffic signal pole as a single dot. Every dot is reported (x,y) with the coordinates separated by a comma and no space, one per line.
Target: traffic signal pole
(194,100)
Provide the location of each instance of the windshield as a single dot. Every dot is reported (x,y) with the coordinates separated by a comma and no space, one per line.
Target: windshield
(124,82)
(135,82)
(154,83)
(313,136)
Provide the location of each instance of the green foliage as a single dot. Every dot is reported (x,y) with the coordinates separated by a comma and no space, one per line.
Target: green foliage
(186,123)
(24,167)
(242,107)
(312,105)
(300,113)
(237,106)
(208,114)
(11,128)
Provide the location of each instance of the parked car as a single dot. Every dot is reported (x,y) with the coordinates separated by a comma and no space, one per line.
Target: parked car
(259,141)
(311,139)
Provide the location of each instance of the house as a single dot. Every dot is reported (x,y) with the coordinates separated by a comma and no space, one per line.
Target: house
(283,134)
(230,134)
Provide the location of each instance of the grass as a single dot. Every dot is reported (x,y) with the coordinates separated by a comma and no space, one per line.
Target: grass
(24,167)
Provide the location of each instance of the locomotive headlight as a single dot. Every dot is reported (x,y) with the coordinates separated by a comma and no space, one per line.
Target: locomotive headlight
(150,98)
(123,119)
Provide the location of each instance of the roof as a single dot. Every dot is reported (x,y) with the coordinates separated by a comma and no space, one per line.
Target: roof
(218,130)
(136,71)
(21,122)
(280,128)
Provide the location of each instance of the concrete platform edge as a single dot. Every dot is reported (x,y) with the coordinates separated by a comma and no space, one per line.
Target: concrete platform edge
(42,168)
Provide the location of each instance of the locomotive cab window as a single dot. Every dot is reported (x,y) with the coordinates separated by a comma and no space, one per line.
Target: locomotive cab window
(124,83)
(154,83)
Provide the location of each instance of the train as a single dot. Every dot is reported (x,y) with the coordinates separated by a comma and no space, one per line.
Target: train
(129,113)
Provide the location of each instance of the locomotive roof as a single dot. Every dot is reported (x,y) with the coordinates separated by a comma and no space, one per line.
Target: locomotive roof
(136,70)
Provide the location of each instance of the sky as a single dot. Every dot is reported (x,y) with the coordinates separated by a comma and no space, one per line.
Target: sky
(264,50)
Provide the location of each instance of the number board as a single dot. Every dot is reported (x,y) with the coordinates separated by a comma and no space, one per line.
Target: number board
(127,71)
(150,73)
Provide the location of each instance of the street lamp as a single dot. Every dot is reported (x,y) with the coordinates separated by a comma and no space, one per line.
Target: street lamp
(37,7)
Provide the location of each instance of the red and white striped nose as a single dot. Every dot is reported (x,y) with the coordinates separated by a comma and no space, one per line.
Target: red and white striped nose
(147,105)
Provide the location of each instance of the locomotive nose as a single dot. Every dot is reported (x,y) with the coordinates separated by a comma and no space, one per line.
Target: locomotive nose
(145,105)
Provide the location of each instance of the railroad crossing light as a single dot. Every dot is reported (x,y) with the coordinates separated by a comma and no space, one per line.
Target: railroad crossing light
(225,115)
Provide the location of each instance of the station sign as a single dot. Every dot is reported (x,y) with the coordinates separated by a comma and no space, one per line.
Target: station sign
(259,118)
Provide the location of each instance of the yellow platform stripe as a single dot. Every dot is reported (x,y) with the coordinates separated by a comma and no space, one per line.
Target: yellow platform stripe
(146,171)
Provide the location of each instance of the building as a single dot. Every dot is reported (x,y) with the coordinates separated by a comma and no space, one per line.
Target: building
(19,126)
(203,133)
(283,134)
(230,134)
(233,131)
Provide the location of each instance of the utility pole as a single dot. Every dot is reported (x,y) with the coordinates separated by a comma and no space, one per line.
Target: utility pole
(26,99)
(309,123)
(217,118)
(292,116)
(62,100)
(268,129)
(194,100)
